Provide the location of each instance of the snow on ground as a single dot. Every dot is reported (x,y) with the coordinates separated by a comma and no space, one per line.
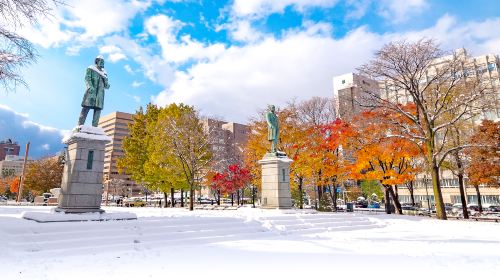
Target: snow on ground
(246,244)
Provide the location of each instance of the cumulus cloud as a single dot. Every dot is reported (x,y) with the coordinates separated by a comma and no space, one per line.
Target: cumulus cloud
(44,140)
(166,29)
(114,53)
(261,8)
(136,84)
(398,11)
(301,64)
(82,22)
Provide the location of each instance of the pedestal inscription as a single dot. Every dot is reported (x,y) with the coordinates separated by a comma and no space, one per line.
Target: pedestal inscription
(81,187)
(276,182)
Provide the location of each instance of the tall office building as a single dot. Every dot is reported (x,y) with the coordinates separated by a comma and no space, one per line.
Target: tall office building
(115,125)
(8,147)
(350,94)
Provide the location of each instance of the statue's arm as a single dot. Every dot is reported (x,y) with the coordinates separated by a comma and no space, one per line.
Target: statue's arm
(106,83)
(268,119)
(88,80)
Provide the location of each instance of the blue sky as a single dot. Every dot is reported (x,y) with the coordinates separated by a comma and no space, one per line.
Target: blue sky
(228,58)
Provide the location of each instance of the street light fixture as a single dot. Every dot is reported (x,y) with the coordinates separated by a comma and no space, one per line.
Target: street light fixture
(427,191)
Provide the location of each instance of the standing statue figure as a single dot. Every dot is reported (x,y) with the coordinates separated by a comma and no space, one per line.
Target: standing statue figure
(96,81)
(273,125)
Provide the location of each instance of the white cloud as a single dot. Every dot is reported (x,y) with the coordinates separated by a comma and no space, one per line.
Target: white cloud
(83,22)
(99,18)
(153,66)
(358,8)
(399,11)
(301,64)
(114,53)
(136,84)
(166,29)
(261,8)
(242,31)
(273,71)
(129,69)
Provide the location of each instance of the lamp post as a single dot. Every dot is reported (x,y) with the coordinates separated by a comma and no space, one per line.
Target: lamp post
(427,191)
(253,195)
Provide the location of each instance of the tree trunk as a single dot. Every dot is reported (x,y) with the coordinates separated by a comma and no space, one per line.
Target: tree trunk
(218,197)
(412,197)
(242,196)
(479,202)
(387,201)
(166,199)
(232,199)
(334,198)
(436,185)
(191,198)
(238,197)
(461,186)
(172,202)
(301,199)
(182,198)
(395,198)
(253,197)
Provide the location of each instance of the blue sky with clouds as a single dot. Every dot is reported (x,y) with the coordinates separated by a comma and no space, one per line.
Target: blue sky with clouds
(228,58)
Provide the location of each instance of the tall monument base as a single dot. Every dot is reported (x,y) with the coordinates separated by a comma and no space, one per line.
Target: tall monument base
(276,181)
(81,187)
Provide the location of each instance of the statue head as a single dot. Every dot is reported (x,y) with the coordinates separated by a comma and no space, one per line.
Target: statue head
(99,61)
(272,108)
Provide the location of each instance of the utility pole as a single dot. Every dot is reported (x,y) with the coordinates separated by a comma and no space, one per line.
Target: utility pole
(24,172)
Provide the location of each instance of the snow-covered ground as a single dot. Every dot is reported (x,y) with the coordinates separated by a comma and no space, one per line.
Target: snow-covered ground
(246,244)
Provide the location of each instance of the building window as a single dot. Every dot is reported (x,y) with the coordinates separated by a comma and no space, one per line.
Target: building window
(343,81)
(90,159)
(283,174)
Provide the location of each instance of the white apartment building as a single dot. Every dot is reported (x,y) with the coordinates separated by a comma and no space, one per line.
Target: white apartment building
(347,88)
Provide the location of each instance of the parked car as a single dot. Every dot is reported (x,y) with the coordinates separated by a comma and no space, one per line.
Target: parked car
(134,202)
(493,208)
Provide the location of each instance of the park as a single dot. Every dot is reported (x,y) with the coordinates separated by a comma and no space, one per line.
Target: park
(217,148)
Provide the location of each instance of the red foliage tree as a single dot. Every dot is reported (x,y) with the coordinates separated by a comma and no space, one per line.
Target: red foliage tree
(233,179)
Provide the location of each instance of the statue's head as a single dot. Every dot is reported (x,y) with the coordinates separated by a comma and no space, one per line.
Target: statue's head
(272,108)
(99,61)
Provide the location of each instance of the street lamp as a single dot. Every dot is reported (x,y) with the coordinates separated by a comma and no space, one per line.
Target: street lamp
(427,191)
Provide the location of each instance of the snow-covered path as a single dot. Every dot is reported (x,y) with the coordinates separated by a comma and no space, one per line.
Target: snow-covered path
(245,244)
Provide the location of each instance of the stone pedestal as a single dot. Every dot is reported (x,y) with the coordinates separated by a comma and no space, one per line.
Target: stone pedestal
(276,182)
(81,187)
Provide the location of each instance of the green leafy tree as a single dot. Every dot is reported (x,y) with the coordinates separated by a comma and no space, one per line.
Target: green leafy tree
(182,150)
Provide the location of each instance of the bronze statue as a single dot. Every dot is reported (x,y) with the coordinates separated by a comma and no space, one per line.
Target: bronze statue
(273,126)
(96,81)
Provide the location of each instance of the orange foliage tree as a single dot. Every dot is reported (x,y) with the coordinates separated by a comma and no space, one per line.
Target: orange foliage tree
(14,185)
(484,167)
(389,160)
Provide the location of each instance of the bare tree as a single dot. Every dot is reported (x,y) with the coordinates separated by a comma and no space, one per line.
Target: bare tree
(315,111)
(15,50)
(441,88)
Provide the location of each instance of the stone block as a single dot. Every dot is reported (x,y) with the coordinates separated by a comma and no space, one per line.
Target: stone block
(276,183)
(81,188)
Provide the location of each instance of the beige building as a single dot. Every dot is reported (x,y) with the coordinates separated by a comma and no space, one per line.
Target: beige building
(115,125)
(349,92)
(12,165)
